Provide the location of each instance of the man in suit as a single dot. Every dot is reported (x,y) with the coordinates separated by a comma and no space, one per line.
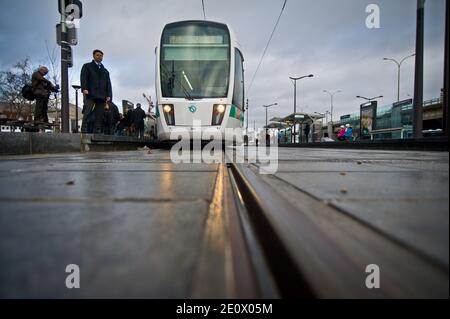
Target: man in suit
(97,91)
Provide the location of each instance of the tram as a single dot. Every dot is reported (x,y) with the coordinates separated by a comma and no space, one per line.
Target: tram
(199,80)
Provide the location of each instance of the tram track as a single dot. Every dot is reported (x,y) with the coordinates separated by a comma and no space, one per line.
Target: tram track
(314,251)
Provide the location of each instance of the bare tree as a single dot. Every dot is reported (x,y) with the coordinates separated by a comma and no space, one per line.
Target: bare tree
(11,84)
(54,74)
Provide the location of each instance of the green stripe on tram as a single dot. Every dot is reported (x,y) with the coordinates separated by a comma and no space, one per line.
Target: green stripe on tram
(236,113)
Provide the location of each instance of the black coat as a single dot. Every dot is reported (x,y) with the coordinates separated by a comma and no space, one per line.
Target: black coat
(115,113)
(96,80)
(138,117)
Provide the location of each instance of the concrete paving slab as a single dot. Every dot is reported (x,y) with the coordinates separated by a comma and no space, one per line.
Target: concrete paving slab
(101,184)
(421,223)
(392,185)
(403,194)
(132,221)
(126,250)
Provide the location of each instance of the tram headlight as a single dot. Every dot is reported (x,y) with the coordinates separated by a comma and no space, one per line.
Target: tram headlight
(169,114)
(220,108)
(218,114)
(167,108)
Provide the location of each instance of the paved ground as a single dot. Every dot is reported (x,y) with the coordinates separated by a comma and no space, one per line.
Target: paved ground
(132,221)
(402,193)
(135,223)
(390,208)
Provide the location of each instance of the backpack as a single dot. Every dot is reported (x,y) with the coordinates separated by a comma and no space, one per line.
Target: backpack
(27,92)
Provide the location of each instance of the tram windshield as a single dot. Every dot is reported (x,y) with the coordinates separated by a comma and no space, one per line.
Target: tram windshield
(195,60)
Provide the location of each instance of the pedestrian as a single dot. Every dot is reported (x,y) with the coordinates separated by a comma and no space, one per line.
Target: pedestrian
(348,135)
(110,118)
(306,131)
(138,117)
(115,116)
(128,119)
(341,133)
(41,90)
(97,90)
(121,126)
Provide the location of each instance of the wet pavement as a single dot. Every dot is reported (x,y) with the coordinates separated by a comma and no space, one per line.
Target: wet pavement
(389,208)
(133,222)
(136,223)
(404,194)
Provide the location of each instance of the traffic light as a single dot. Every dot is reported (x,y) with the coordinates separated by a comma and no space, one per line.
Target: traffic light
(70,36)
(72,7)
(68,56)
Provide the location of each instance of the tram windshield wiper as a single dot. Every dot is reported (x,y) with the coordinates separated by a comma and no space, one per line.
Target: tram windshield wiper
(173,78)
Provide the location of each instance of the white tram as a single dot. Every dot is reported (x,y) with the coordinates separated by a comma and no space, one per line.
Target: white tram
(199,77)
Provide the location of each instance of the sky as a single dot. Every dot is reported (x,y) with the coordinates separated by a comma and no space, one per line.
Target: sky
(327,38)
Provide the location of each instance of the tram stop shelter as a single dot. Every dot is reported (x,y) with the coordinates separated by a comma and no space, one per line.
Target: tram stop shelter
(300,119)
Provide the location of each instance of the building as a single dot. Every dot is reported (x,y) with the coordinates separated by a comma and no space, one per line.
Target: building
(396,120)
(393,121)
(54,116)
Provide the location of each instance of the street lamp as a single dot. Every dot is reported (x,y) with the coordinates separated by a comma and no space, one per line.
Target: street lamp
(399,64)
(266,107)
(295,79)
(369,99)
(332,96)
(76,87)
(246,127)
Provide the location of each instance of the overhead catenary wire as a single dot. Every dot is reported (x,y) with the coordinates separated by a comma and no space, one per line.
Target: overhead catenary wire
(203,6)
(265,49)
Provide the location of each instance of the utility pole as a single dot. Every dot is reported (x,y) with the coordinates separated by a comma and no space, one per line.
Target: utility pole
(64,72)
(446,73)
(76,87)
(295,79)
(418,76)
(246,128)
(71,11)
(266,107)
(399,64)
(330,130)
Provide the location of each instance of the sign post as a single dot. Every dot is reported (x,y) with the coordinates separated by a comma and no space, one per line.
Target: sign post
(71,12)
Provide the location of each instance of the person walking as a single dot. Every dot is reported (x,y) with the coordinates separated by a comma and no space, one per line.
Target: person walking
(138,117)
(41,90)
(97,90)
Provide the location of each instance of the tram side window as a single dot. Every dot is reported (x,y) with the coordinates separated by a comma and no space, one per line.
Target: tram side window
(238,93)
